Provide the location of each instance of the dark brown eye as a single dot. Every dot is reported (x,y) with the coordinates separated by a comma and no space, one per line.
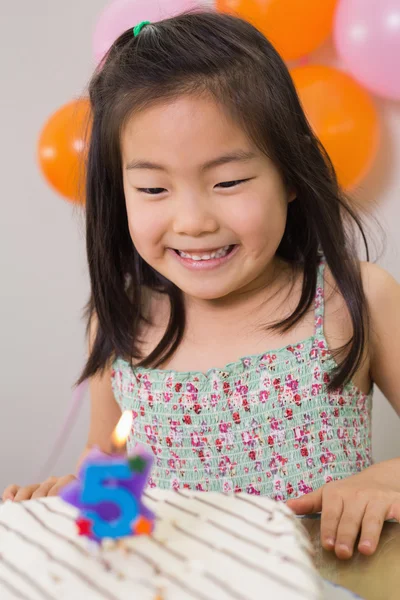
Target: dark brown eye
(230,184)
(152,191)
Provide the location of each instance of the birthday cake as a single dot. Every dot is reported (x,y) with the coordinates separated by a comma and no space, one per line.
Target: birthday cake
(204,546)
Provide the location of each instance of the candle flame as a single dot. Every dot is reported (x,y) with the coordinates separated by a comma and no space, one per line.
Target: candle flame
(123,428)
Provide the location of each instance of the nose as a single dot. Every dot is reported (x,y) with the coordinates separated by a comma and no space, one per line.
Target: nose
(193,218)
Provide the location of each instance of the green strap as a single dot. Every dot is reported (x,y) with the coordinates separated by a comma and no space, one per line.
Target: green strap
(138,28)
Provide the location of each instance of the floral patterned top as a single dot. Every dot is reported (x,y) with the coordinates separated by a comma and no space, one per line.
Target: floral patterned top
(265,424)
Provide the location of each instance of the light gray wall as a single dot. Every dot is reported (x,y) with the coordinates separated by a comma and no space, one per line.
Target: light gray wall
(45,60)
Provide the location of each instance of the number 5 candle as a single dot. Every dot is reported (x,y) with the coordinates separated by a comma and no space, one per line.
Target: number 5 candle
(109,488)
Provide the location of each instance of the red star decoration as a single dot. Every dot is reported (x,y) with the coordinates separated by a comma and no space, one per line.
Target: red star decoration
(84,526)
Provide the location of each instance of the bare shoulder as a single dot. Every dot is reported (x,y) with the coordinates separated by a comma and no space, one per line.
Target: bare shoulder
(380,287)
(383,296)
(381,290)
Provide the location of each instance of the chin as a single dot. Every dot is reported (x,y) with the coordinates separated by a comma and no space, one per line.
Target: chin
(202,292)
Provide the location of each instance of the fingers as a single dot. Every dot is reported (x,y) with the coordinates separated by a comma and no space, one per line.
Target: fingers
(25,493)
(310,503)
(50,487)
(60,484)
(332,511)
(372,524)
(44,488)
(394,511)
(9,492)
(349,526)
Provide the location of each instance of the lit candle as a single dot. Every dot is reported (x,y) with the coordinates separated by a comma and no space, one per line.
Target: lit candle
(122,431)
(109,488)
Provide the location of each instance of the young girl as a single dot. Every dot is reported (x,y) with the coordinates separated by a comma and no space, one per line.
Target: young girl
(216,230)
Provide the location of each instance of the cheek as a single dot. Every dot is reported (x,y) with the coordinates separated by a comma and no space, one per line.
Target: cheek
(146,228)
(260,221)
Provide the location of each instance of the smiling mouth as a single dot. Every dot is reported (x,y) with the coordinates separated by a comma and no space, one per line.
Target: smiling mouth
(206,254)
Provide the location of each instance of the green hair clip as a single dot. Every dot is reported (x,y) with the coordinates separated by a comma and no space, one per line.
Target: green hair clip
(138,28)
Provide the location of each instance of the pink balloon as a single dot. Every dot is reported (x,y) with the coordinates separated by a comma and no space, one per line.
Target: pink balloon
(122,14)
(367,38)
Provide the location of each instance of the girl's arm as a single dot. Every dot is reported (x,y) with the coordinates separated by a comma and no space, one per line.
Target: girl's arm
(364,501)
(383,295)
(104,411)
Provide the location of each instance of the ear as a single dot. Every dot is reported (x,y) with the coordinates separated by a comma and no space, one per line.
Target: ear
(291,196)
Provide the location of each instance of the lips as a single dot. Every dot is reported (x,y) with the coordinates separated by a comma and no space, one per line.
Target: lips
(206,262)
(200,250)
(205,254)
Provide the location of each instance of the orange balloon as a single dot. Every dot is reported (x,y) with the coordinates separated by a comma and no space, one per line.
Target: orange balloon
(62,149)
(294,27)
(342,116)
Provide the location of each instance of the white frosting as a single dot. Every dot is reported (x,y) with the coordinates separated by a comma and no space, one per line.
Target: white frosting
(205,546)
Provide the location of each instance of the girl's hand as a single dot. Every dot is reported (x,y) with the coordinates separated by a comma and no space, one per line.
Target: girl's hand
(363,501)
(50,487)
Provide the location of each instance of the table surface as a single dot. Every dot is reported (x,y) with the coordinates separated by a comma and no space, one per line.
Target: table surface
(375,577)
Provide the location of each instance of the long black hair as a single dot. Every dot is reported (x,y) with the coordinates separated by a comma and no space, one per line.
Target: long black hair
(230,59)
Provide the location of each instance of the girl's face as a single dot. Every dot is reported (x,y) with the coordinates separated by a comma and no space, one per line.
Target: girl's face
(195,184)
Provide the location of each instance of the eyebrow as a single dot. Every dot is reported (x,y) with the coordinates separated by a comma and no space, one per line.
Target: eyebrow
(237,156)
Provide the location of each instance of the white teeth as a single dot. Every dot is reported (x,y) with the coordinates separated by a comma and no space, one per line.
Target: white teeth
(217,254)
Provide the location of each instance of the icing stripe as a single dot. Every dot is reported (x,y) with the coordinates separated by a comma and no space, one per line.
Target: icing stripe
(24,576)
(172,577)
(158,571)
(13,590)
(290,518)
(266,511)
(215,524)
(275,534)
(58,512)
(195,593)
(59,535)
(144,558)
(185,510)
(233,556)
(224,585)
(101,561)
(228,531)
(232,514)
(70,568)
(240,559)
(105,564)
(215,580)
